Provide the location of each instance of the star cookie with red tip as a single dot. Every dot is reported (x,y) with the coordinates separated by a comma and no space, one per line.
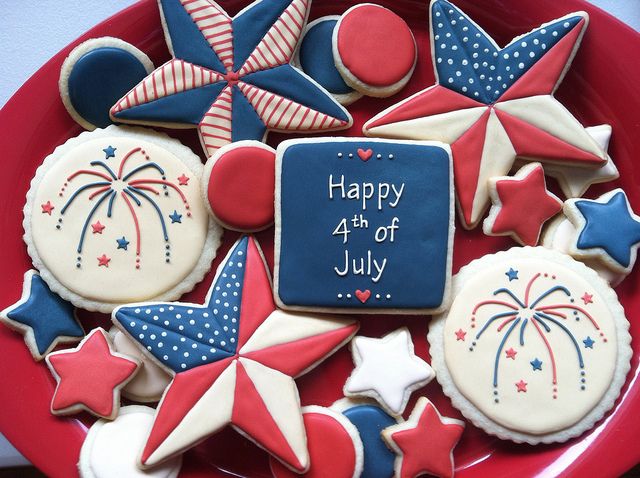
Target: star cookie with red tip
(521,205)
(424,443)
(233,360)
(90,377)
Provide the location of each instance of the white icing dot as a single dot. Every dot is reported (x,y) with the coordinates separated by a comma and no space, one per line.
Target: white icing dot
(192,322)
(182,339)
(240,253)
(475,55)
(532,54)
(506,56)
(523,44)
(443,46)
(536,41)
(141,336)
(207,325)
(454,47)
(145,327)
(476,66)
(439,60)
(377,296)
(152,336)
(149,347)
(555,34)
(543,46)
(132,324)
(137,311)
(170,307)
(475,45)
(155,317)
(465,62)
(205,315)
(212,350)
(448,35)
(450,61)
(543,31)
(516,54)
(175,347)
(166,357)
(186,354)
(178,316)
(161,309)
(458,73)
(436,37)
(180,327)
(164,334)
(521,65)
(194,346)
(464,89)
(450,80)
(388,296)
(471,81)
(183,365)
(204,357)
(160,344)
(223,343)
(148,311)
(190,311)
(199,335)
(453,22)
(465,29)
(348,296)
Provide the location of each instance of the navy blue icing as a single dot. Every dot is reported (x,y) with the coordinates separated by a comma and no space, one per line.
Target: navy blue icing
(99,79)
(609,226)
(316,58)
(48,315)
(252,25)
(416,269)
(370,420)
(468,62)
(184,336)
(246,122)
(187,41)
(185,107)
(285,80)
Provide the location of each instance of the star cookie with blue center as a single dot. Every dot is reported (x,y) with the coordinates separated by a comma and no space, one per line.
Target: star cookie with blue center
(607,230)
(231,78)
(44,318)
(233,360)
(494,104)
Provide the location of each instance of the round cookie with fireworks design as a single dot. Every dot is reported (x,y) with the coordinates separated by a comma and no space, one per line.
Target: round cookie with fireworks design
(535,347)
(116,216)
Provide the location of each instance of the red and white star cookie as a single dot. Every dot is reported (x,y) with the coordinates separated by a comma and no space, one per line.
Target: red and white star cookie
(520,205)
(90,377)
(424,443)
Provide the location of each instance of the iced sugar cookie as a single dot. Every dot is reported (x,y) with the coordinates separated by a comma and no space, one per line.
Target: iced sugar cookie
(334,444)
(520,205)
(150,381)
(42,317)
(96,74)
(233,360)
(362,203)
(111,449)
(116,215)
(535,347)
(494,104)
(90,376)
(315,58)
(231,78)
(424,443)
(374,50)
(238,185)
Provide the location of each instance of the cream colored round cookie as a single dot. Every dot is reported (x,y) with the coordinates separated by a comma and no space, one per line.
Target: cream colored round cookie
(111,449)
(150,382)
(116,216)
(535,347)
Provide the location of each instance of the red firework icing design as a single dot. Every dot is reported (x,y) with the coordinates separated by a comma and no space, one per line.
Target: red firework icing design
(127,185)
(543,316)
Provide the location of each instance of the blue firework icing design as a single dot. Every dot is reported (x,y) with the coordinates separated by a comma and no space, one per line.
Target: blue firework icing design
(127,185)
(538,313)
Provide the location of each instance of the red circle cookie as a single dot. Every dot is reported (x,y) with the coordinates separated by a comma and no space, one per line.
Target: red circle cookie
(374,50)
(335,448)
(239,183)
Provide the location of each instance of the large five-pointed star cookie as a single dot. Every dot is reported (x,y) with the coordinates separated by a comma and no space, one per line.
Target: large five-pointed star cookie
(233,360)
(424,443)
(231,77)
(387,369)
(44,318)
(493,104)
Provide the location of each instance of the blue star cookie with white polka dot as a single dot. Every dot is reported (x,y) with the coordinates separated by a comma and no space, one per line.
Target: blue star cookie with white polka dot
(494,104)
(233,360)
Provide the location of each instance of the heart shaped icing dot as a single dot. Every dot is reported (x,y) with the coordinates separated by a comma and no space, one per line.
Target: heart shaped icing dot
(363,296)
(365,154)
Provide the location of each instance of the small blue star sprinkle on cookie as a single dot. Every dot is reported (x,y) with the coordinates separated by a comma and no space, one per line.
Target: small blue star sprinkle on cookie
(231,77)
(588,343)
(109,152)
(512,274)
(122,243)
(607,228)
(536,364)
(494,104)
(42,317)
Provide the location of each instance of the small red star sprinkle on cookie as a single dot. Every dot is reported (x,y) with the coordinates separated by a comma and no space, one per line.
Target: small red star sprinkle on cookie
(47,208)
(587,298)
(460,334)
(511,353)
(97,227)
(521,386)
(103,260)
(183,180)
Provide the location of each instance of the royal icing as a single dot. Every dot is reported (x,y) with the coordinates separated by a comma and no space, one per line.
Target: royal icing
(327,431)
(365,208)
(574,182)
(233,361)
(369,419)
(96,74)
(90,377)
(42,317)
(111,449)
(534,348)
(374,50)
(230,77)
(387,369)
(607,228)
(521,205)
(424,443)
(119,206)
(150,381)
(238,185)
(315,58)
(494,104)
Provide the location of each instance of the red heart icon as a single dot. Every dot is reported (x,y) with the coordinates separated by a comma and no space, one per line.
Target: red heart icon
(365,155)
(363,296)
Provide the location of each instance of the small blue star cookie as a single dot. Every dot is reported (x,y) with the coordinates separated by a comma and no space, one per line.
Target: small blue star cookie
(607,229)
(42,317)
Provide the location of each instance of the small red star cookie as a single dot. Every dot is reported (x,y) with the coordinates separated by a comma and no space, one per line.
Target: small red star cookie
(520,205)
(90,377)
(424,443)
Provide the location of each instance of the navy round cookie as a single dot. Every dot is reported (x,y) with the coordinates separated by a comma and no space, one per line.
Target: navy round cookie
(96,74)
(315,58)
